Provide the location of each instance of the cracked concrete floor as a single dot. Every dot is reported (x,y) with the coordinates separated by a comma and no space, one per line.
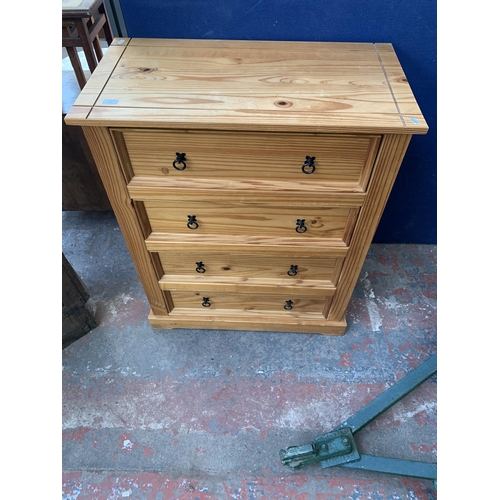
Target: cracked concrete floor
(200,414)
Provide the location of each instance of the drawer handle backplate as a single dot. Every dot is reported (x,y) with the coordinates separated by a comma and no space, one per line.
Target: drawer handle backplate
(200,268)
(206,302)
(192,224)
(180,160)
(300,226)
(288,305)
(308,167)
(292,271)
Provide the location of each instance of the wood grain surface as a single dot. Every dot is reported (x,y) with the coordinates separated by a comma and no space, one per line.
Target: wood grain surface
(239,285)
(344,162)
(250,85)
(250,266)
(386,168)
(253,191)
(263,245)
(221,218)
(248,320)
(104,154)
(243,273)
(245,115)
(248,302)
(97,81)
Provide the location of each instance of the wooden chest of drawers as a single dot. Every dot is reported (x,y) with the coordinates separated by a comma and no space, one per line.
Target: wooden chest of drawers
(248,177)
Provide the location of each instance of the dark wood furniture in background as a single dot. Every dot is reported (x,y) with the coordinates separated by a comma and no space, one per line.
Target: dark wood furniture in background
(76,318)
(81,25)
(82,188)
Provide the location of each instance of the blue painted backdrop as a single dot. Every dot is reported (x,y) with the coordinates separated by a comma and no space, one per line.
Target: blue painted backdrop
(410,215)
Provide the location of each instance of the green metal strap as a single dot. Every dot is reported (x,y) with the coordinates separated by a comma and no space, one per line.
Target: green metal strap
(392,395)
(424,470)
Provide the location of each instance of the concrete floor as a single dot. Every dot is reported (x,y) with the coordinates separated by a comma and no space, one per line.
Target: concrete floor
(199,414)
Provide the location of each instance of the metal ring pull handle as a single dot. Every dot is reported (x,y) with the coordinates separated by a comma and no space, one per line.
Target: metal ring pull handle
(199,267)
(308,167)
(300,226)
(180,160)
(292,271)
(192,224)
(288,305)
(206,302)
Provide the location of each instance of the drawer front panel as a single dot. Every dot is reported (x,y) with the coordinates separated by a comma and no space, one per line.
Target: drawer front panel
(252,266)
(345,161)
(247,302)
(335,223)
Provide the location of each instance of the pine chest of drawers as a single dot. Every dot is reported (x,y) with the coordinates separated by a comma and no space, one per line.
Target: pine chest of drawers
(248,177)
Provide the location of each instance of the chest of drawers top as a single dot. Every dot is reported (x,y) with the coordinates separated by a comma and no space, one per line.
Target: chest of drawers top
(250,85)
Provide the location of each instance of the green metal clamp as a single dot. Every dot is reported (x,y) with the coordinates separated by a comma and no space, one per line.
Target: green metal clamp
(337,445)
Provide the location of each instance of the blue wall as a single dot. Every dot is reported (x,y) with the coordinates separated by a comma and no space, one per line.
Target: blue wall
(410,215)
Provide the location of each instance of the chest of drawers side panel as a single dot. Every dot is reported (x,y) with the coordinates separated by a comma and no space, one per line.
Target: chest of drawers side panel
(104,153)
(391,154)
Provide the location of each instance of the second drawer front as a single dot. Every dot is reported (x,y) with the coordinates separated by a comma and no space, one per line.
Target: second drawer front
(250,266)
(225,219)
(208,301)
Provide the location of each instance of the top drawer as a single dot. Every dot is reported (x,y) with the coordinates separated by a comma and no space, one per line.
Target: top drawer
(341,161)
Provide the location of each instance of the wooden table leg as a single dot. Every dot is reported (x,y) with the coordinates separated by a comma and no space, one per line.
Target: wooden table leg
(75,61)
(108,32)
(83,32)
(95,42)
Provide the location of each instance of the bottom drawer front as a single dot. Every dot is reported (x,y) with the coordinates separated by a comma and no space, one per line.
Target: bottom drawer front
(207,301)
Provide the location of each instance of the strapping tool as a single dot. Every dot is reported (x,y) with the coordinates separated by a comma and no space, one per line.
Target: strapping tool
(338,447)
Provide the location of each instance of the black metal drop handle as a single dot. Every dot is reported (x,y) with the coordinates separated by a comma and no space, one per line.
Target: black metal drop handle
(180,160)
(300,226)
(200,268)
(292,271)
(192,224)
(288,305)
(206,302)
(308,167)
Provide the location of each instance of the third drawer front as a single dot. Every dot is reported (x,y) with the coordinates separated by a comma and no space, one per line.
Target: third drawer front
(219,218)
(245,302)
(208,264)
